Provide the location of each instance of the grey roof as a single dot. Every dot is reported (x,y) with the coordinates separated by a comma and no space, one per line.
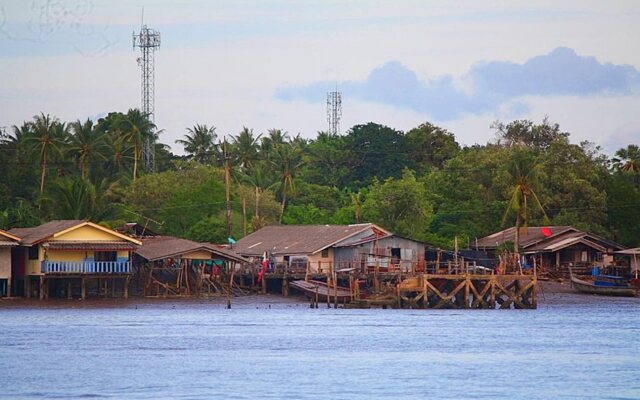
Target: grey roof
(31,236)
(528,236)
(297,239)
(161,247)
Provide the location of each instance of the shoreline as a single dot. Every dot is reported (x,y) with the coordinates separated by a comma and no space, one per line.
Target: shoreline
(550,294)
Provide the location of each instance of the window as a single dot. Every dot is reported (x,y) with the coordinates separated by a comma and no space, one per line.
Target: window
(325,253)
(34,254)
(395,254)
(105,256)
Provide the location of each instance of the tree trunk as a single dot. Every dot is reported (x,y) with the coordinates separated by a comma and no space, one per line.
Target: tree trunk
(284,201)
(135,161)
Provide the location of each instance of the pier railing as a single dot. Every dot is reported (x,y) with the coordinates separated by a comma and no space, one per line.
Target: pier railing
(86,267)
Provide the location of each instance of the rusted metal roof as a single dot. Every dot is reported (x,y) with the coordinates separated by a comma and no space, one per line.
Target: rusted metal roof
(298,239)
(528,237)
(100,245)
(31,236)
(161,247)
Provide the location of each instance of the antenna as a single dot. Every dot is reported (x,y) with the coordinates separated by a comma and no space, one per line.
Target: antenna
(334,111)
(148,40)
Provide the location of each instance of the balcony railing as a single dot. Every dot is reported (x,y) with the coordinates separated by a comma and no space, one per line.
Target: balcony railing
(86,267)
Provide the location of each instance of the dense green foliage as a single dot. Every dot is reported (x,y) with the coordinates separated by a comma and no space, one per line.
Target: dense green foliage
(420,184)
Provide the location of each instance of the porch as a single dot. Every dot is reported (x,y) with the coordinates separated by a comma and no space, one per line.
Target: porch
(86,267)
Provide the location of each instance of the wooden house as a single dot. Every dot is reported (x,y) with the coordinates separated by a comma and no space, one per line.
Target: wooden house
(70,252)
(556,248)
(175,267)
(7,241)
(322,248)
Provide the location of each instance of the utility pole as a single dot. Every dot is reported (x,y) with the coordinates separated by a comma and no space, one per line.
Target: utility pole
(227,185)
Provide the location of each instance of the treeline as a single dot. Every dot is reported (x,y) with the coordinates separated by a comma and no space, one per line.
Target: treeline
(421,183)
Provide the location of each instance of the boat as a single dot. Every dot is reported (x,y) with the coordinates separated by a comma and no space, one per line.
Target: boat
(320,289)
(603,285)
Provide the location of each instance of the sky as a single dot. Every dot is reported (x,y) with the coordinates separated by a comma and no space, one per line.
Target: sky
(269,64)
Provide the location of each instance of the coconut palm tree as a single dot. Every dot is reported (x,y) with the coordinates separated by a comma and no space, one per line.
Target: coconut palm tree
(137,130)
(245,148)
(47,138)
(524,172)
(87,144)
(261,179)
(200,143)
(628,160)
(287,161)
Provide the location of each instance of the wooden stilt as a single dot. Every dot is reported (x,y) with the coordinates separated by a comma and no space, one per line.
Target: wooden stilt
(68,289)
(27,286)
(41,287)
(83,288)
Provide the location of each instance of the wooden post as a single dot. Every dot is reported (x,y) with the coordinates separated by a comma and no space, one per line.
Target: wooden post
(27,286)
(68,289)
(41,290)
(335,289)
(466,291)
(231,287)
(492,297)
(425,299)
(83,288)
(126,287)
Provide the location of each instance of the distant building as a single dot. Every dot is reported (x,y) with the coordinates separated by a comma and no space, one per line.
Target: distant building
(556,247)
(321,248)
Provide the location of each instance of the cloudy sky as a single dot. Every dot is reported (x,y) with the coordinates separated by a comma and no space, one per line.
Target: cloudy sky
(269,64)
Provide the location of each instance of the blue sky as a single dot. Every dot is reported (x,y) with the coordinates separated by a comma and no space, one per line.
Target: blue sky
(268,64)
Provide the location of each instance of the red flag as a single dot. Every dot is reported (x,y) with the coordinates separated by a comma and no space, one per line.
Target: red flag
(546,232)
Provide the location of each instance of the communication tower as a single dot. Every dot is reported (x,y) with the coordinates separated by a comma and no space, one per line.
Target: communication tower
(148,40)
(334,111)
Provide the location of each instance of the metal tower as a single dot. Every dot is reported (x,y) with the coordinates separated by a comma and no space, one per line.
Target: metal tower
(334,111)
(148,40)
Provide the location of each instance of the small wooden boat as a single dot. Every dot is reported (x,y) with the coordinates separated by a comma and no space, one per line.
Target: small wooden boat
(311,288)
(608,287)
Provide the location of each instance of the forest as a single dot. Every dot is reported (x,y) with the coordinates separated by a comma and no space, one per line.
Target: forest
(420,184)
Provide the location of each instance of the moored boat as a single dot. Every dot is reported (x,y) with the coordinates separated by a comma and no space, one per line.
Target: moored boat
(320,289)
(606,286)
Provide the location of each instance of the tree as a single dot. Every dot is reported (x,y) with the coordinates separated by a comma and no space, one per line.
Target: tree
(400,205)
(430,146)
(87,144)
(245,148)
(287,161)
(524,171)
(200,143)
(375,151)
(136,130)
(526,133)
(48,136)
(628,161)
(261,179)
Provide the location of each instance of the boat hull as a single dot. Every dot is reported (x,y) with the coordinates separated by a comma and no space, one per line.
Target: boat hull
(320,289)
(588,287)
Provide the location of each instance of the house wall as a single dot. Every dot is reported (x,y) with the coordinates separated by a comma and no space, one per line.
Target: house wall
(197,255)
(379,252)
(5,262)
(33,267)
(87,233)
(317,262)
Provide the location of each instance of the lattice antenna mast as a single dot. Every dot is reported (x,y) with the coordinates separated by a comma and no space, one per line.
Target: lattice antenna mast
(334,111)
(148,40)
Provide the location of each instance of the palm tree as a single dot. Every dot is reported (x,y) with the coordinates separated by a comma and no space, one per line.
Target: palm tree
(87,144)
(275,137)
(628,160)
(287,160)
(261,179)
(137,130)
(245,148)
(200,144)
(524,171)
(47,137)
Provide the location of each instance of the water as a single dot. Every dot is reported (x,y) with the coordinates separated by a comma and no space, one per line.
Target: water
(266,347)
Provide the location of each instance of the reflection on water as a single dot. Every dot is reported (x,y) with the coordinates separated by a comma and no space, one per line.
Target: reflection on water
(198,349)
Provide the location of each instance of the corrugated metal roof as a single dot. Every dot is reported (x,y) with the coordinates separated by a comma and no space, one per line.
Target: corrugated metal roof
(7,243)
(570,241)
(297,239)
(161,247)
(30,236)
(528,237)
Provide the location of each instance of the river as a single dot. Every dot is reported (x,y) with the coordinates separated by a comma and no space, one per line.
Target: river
(571,347)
